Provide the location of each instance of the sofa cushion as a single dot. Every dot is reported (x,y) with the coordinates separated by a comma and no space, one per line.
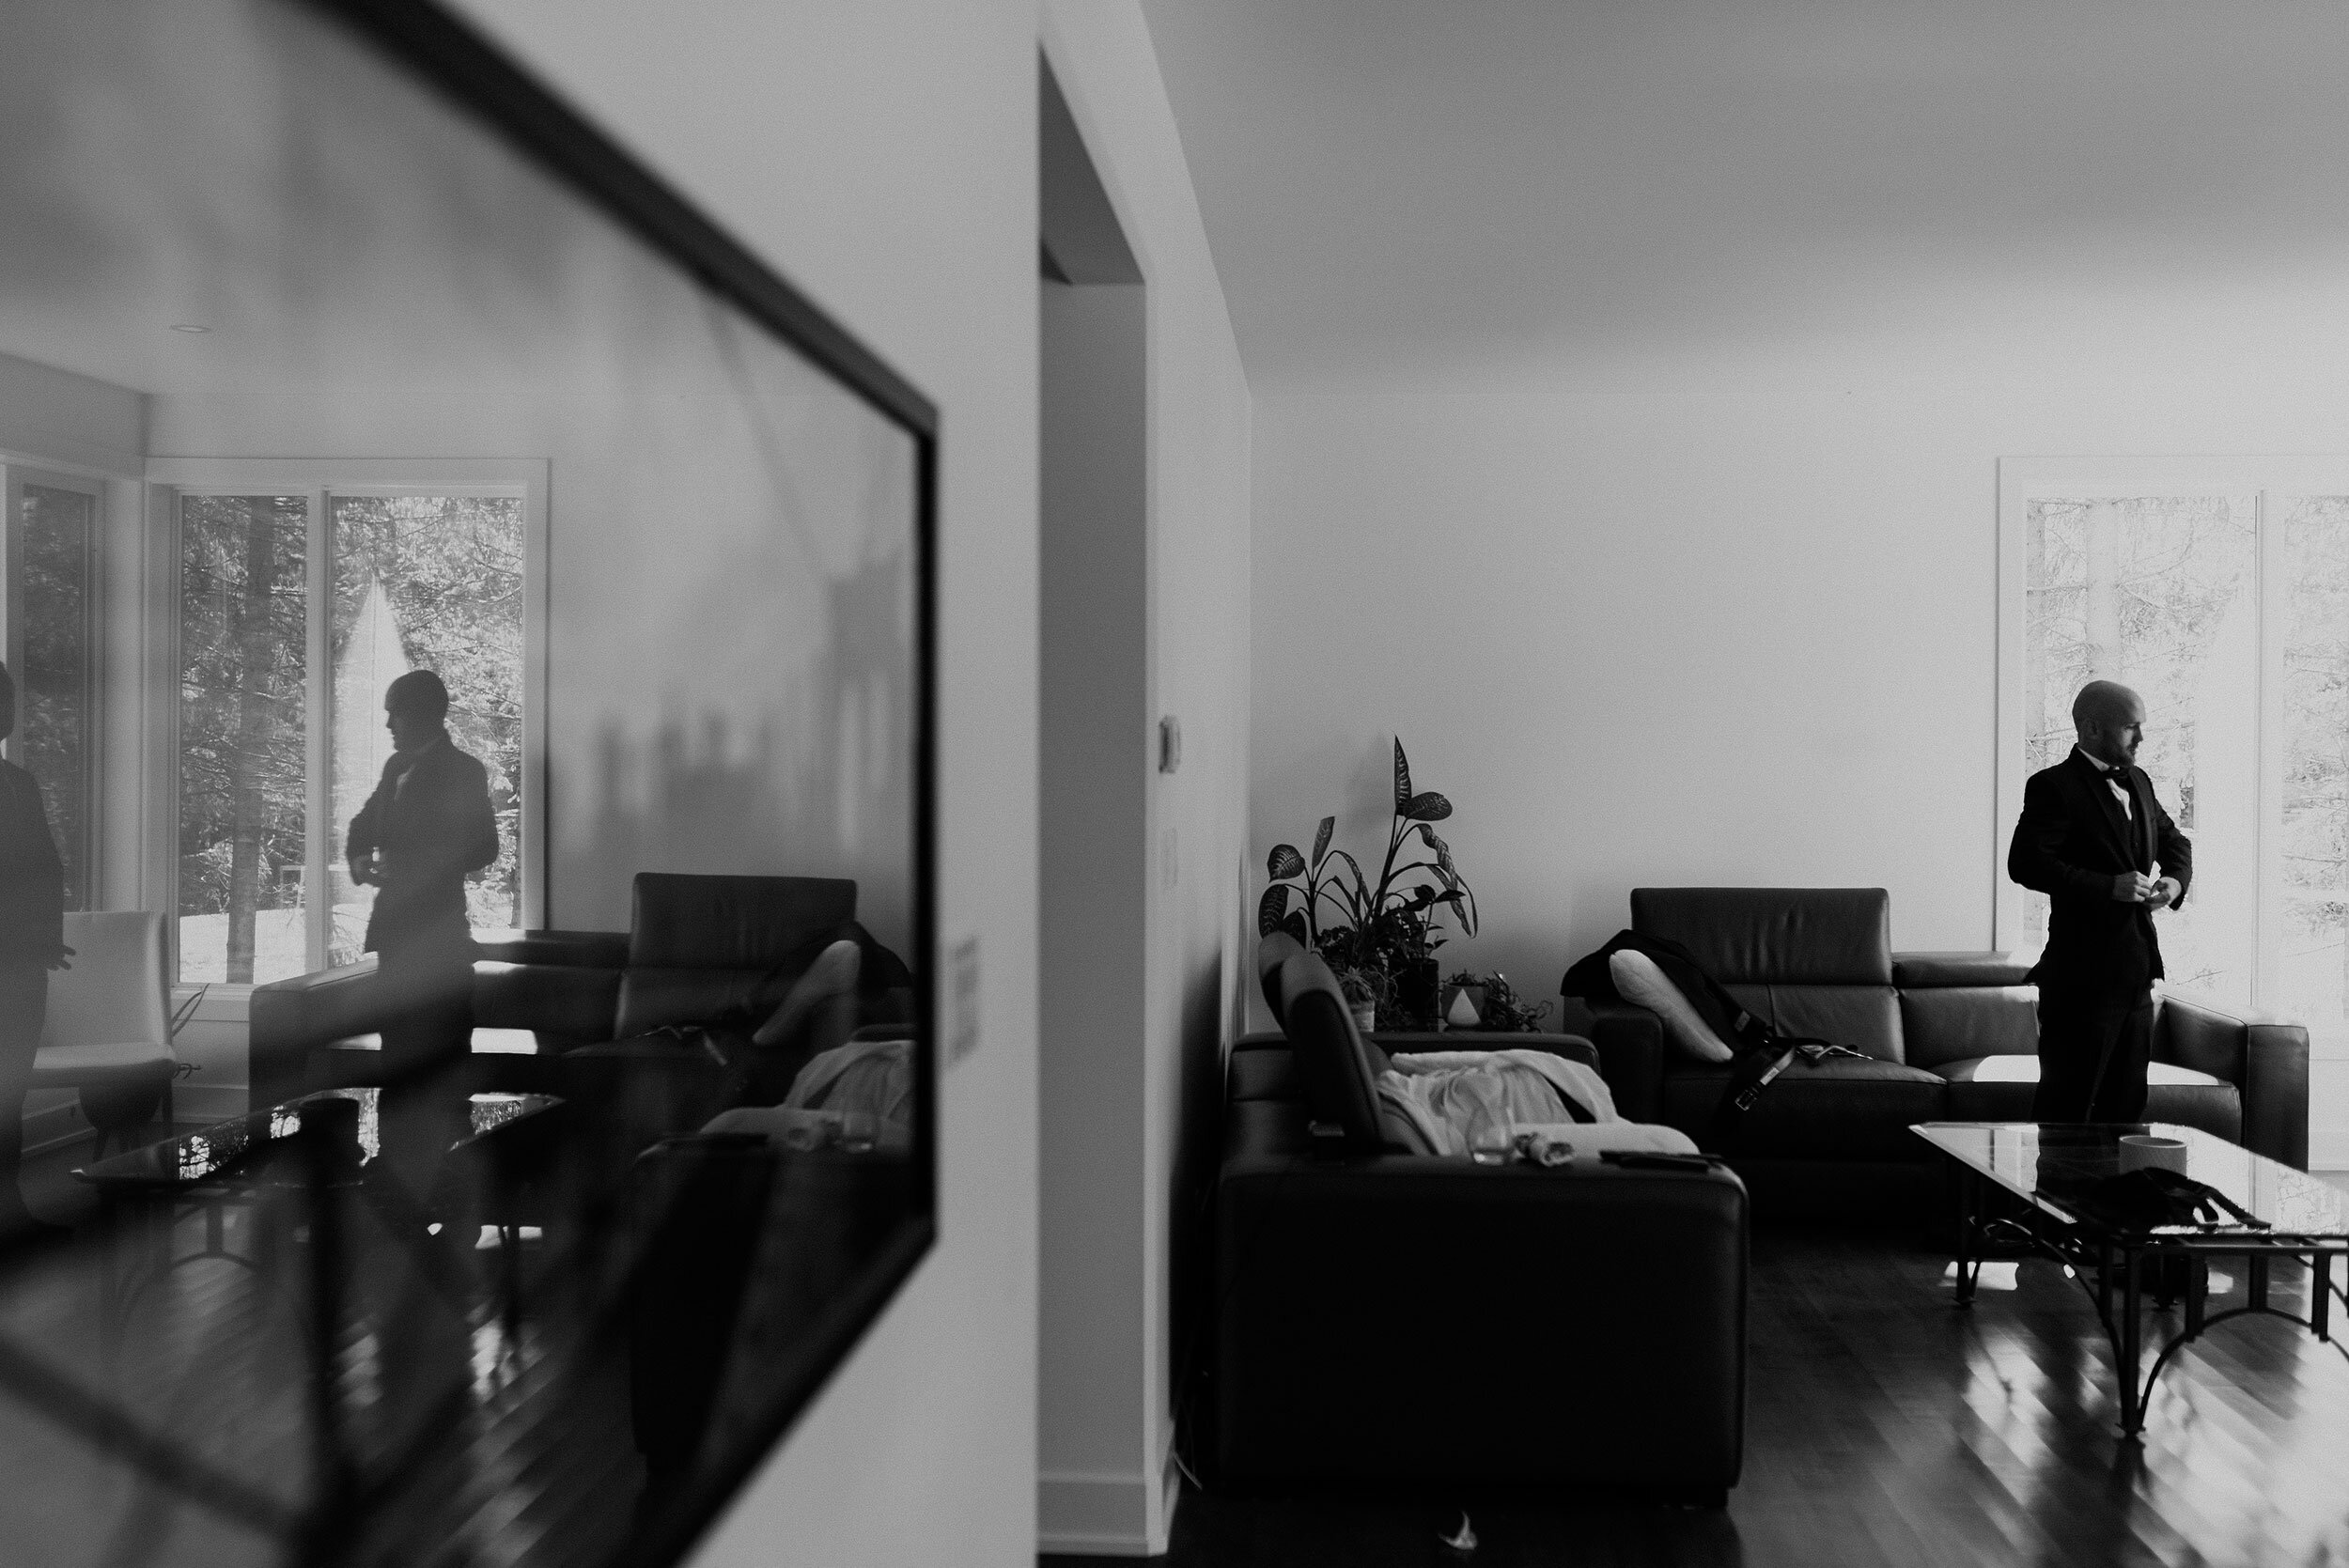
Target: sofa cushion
(1262,1074)
(1957,969)
(1837,1108)
(2001,1088)
(1272,951)
(1958,1023)
(1639,981)
(1865,1017)
(1776,936)
(1341,1085)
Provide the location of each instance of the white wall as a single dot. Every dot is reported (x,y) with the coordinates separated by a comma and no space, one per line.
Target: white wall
(1674,637)
(1103,1484)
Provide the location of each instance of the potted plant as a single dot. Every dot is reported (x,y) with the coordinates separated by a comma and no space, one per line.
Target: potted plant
(1363,990)
(1387,926)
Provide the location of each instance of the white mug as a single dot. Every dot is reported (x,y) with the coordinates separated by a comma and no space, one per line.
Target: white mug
(2142,1151)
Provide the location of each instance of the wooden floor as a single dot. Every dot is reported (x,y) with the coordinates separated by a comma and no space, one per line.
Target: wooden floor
(1886,1426)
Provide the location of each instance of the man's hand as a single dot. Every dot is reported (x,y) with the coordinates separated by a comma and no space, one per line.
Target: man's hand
(62,958)
(363,869)
(2165,892)
(2132,887)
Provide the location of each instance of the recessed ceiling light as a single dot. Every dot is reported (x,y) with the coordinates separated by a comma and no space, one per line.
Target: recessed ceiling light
(188,327)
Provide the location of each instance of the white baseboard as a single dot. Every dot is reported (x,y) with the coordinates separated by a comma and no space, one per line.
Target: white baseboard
(1106,1515)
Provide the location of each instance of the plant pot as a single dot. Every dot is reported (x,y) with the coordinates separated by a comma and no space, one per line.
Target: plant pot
(1415,990)
(1365,1016)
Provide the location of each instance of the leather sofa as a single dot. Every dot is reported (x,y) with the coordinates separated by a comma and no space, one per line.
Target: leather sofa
(1946,1037)
(695,946)
(1380,1316)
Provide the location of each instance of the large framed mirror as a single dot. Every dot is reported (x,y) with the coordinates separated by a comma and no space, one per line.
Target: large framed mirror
(466,951)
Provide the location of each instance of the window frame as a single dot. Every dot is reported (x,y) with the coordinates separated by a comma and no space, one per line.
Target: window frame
(318,480)
(2022,480)
(15,475)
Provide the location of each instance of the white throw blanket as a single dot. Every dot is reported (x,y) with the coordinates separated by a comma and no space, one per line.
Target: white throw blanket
(1423,1093)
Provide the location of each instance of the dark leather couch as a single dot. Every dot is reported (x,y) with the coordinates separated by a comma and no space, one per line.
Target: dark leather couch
(1949,1036)
(695,946)
(1392,1318)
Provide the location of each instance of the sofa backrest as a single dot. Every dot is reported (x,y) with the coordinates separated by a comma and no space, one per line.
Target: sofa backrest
(1812,961)
(1960,1006)
(699,945)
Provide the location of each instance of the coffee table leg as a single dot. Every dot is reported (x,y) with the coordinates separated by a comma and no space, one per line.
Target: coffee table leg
(1969,1219)
(2197,1292)
(2132,1414)
(2320,1293)
(2258,1286)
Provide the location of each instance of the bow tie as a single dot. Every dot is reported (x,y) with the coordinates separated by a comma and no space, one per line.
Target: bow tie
(2114,776)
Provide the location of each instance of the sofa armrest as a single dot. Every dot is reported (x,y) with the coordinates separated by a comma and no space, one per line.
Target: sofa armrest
(2265,1058)
(1630,1045)
(1328,1271)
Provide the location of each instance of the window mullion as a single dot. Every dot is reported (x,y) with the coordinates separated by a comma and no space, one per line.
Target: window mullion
(317,737)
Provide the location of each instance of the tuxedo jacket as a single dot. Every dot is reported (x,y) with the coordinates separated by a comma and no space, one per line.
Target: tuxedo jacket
(2073,839)
(434,825)
(32,879)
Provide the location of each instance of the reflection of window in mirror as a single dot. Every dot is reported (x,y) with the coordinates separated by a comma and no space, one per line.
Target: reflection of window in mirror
(53,521)
(298,606)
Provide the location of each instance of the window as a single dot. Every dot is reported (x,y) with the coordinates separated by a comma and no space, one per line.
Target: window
(53,587)
(298,604)
(2219,589)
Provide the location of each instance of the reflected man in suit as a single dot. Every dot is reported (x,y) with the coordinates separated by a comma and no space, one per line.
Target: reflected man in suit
(2091,837)
(32,943)
(426,827)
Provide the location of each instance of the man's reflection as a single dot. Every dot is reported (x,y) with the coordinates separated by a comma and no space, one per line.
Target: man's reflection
(32,943)
(427,824)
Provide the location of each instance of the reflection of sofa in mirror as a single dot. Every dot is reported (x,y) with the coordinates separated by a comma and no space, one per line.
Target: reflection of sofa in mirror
(697,947)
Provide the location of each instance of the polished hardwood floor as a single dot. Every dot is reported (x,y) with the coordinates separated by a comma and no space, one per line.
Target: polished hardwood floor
(1886,1426)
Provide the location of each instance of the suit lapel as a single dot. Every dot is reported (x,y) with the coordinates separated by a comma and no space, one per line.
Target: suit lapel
(2141,820)
(2115,817)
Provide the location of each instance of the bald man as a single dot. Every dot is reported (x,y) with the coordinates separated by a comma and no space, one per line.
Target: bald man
(2091,838)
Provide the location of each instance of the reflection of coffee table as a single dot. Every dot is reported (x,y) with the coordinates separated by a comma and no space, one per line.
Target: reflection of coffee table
(249,1157)
(2292,1215)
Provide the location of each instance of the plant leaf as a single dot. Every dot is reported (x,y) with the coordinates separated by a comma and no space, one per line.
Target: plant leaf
(1321,837)
(1433,842)
(1270,908)
(1430,807)
(1295,926)
(1361,883)
(1283,862)
(1402,778)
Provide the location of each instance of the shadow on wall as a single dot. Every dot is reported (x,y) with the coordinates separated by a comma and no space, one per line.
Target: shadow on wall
(814,780)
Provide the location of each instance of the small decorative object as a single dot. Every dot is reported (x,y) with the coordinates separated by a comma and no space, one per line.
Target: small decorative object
(1362,989)
(1387,925)
(1462,1013)
(2141,1151)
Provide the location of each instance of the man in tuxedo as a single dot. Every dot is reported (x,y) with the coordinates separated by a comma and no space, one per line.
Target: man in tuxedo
(32,943)
(2091,837)
(427,826)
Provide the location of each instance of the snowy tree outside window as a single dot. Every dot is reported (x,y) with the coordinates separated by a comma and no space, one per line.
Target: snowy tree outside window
(275,756)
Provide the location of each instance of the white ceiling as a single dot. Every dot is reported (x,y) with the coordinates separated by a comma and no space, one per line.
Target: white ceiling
(1630,194)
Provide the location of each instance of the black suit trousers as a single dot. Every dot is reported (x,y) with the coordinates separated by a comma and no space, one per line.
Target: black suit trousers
(2093,1052)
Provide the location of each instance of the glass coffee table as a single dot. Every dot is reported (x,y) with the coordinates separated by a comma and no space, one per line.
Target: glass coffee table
(2270,1211)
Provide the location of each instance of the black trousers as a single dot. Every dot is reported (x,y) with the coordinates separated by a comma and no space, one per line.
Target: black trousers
(2093,1052)
(24,1008)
